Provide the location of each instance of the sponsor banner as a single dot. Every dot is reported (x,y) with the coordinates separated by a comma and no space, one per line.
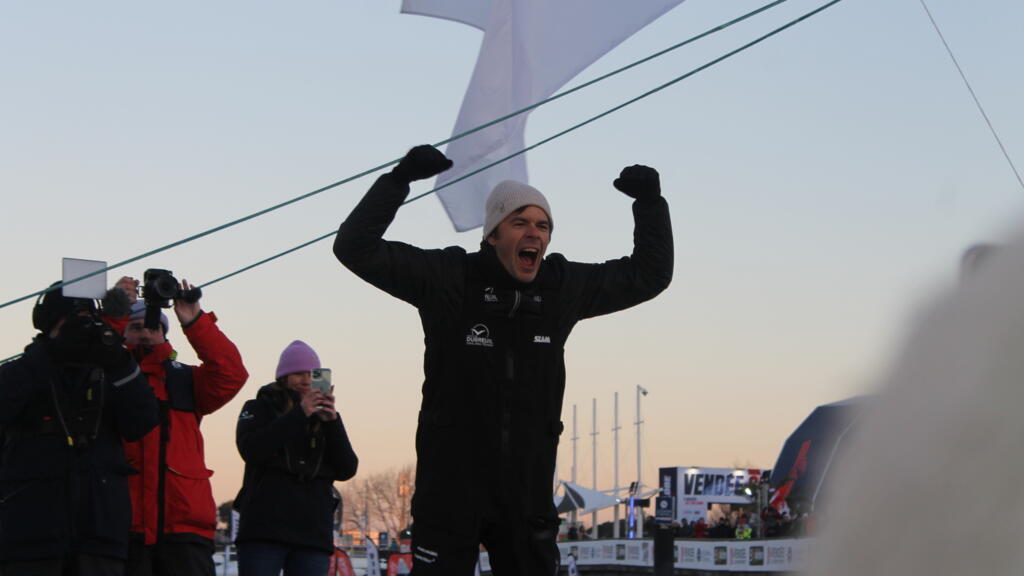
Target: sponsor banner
(708,485)
(340,564)
(692,509)
(715,555)
(664,509)
(742,556)
(399,564)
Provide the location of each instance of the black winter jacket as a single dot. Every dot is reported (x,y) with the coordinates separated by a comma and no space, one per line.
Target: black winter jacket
(61,496)
(495,373)
(291,463)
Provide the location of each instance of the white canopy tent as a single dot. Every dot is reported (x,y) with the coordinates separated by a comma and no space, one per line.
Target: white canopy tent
(582,500)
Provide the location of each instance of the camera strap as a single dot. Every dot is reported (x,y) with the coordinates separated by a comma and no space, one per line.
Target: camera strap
(79,409)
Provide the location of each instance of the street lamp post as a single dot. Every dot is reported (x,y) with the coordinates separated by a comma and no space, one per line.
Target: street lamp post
(593,464)
(615,480)
(640,391)
(572,515)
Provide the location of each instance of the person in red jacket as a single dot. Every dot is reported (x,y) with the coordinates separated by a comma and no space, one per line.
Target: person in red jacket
(173,512)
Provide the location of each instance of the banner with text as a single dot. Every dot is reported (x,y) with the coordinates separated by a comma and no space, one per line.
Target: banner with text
(710,555)
(695,488)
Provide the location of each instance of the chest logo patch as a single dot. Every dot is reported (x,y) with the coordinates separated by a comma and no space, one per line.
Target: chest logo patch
(542,339)
(489,295)
(479,335)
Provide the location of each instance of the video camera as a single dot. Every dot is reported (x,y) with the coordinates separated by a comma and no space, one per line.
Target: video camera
(159,287)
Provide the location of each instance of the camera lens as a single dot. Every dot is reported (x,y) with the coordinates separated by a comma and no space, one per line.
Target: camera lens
(165,286)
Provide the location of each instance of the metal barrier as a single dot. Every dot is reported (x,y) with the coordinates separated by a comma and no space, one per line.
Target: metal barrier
(720,556)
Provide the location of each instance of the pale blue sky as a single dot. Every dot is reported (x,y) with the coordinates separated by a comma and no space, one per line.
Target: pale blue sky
(822,185)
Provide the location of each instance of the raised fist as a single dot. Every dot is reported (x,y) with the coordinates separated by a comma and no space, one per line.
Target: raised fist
(639,182)
(421,162)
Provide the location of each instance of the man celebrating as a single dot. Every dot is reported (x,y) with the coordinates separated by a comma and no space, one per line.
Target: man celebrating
(173,512)
(496,322)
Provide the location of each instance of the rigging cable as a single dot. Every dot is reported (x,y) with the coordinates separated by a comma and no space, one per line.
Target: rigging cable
(977,102)
(559,134)
(280,205)
(676,80)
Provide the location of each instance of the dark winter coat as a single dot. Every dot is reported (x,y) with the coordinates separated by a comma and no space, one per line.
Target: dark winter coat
(63,475)
(291,463)
(490,418)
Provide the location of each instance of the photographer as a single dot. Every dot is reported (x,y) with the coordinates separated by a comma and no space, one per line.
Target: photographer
(66,405)
(173,512)
(295,446)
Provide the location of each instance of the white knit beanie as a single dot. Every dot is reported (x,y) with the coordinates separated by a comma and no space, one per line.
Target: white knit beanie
(139,313)
(509,196)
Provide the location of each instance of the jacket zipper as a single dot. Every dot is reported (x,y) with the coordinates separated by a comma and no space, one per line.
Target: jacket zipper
(510,378)
(515,304)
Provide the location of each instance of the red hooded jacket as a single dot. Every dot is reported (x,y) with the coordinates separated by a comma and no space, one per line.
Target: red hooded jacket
(176,479)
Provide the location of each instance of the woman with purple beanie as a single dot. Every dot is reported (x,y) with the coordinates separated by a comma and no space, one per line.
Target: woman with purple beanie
(295,447)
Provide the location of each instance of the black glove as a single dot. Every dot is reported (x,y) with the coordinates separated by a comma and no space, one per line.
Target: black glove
(639,182)
(108,353)
(421,162)
(88,340)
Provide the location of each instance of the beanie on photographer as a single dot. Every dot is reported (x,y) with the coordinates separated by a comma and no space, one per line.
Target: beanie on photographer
(296,357)
(139,313)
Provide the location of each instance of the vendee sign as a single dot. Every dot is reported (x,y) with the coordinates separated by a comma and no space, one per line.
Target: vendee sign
(708,485)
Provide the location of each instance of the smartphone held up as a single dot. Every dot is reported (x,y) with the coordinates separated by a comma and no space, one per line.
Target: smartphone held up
(322,380)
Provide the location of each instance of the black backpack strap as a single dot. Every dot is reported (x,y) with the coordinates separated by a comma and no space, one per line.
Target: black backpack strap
(180,393)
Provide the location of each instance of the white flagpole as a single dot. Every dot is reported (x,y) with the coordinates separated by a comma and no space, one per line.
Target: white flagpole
(615,480)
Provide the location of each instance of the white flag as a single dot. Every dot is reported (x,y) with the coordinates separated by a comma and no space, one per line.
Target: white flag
(474,13)
(531,48)
(235,517)
(372,559)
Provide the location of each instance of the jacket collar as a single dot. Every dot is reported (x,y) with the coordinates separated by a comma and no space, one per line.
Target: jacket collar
(151,359)
(278,395)
(494,273)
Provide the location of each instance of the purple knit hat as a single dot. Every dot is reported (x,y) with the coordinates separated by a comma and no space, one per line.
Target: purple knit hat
(297,357)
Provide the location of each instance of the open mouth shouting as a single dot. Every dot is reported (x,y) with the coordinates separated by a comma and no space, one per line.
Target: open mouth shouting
(520,241)
(528,257)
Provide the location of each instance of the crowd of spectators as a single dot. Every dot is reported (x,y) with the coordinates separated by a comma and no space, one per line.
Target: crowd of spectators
(740,525)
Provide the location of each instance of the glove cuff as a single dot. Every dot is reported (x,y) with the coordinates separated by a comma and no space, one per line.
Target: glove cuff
(122,372)
(400,174)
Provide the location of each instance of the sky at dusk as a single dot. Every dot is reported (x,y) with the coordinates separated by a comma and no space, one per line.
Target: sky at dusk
(822,186)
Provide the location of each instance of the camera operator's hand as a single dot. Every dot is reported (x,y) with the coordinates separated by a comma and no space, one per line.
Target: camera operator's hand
(187,312)
(130,286)
(87,340)
(421,162)
(107,349)
(639,182)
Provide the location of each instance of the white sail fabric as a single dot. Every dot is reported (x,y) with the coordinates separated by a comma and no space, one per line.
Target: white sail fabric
(531,48)
(473,12)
